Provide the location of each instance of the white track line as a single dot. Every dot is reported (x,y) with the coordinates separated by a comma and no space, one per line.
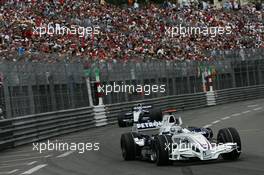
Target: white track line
(236,114)
(252,106)
(13,171)
(34,169)
(31,163)
(207,126)
(257,109)
(9,172)
(214,122)
(48,156)
(245,112)
(65,154)
(225,118)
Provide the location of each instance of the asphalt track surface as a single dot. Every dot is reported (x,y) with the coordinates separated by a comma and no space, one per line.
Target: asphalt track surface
(247,117)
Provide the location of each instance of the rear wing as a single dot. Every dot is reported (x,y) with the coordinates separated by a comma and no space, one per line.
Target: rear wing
(169,111)
(141,107)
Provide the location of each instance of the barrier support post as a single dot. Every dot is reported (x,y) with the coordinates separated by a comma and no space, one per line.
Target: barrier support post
(97,79)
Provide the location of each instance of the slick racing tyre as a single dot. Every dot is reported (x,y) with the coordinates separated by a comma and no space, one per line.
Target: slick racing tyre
(162,148)
(210,133)
(129,149)
(230,135)
(121,123)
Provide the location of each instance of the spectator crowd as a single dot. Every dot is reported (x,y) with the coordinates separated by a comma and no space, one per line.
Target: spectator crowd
(129,32)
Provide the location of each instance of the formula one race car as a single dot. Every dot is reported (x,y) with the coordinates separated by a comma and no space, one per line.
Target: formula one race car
(173,142)
(140,114)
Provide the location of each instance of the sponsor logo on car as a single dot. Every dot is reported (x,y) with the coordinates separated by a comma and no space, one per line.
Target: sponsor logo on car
(149,125)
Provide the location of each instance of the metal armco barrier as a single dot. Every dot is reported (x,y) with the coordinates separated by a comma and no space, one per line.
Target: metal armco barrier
(6,133)
(33,128)
(180,102)
(239,94)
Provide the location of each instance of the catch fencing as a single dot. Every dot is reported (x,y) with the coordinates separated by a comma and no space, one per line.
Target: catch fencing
(38,87)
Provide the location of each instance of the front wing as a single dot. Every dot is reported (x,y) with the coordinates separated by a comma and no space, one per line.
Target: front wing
(202,154)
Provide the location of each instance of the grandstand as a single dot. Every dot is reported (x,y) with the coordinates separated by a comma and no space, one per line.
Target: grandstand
(125,32)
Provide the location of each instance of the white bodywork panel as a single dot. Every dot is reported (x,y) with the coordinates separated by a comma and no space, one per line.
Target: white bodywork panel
(186,144)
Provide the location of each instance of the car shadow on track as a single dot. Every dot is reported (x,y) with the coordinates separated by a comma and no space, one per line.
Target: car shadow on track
(199,162)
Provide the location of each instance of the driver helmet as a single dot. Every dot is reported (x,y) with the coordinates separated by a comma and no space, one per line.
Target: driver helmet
(176,129)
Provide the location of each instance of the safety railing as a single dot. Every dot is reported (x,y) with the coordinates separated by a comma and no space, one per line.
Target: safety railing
(239,94)
(32,128)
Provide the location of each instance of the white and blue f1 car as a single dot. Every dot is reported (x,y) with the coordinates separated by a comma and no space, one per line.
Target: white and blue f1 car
(170,141)
(141,114)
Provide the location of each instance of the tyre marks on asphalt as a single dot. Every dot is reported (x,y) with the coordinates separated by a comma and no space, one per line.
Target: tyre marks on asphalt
(11,162)
(24,159)
(186,171)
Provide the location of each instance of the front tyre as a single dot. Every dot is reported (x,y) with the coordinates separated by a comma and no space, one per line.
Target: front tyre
(128,146)
(162,147)
(230,135)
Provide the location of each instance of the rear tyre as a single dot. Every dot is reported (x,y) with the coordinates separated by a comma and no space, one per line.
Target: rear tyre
(230,135)
(128,146)
(210,133)
(162,147)
(121,123)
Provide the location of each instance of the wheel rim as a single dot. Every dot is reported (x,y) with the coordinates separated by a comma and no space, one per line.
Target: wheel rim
(153,156)
(123,151)
(158,155)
